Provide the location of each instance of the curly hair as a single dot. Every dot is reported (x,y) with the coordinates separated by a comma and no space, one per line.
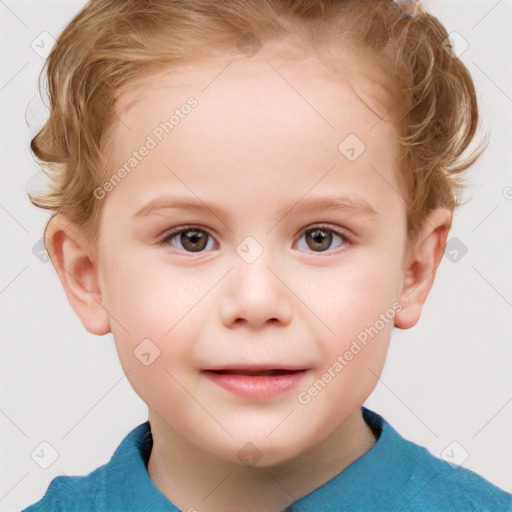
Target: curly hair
(111,46)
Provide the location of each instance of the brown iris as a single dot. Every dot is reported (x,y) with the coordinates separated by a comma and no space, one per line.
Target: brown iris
(193,240)
(318,239)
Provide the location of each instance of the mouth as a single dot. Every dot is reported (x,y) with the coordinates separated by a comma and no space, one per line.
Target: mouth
(256,382)
(257,373)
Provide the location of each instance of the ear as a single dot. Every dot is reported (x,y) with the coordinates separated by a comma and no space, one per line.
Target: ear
(420,266)
(73,257)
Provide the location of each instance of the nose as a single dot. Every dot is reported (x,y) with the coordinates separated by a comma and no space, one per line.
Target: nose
(254,296)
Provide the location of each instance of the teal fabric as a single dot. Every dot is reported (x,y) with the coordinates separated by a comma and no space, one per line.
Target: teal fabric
(394,475)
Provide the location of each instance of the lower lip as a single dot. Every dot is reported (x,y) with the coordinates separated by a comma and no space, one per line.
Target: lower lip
(260,386)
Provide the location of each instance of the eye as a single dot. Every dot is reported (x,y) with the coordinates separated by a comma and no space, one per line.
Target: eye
(190,239)
(320,239)
(193,239)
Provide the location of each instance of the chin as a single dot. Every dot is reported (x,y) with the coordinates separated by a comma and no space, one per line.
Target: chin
(263,453)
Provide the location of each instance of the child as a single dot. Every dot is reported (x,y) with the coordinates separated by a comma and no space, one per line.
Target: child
(311,150)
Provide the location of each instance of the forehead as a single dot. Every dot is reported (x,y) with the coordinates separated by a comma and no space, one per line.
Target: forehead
(336,67)
(266,124)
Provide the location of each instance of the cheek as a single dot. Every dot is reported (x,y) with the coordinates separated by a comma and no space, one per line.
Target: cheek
(153,311)
(352,295)
(148,298)
(153,332)
(358,305)
(355,300)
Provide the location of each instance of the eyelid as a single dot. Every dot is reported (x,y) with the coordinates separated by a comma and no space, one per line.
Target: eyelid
(328,227)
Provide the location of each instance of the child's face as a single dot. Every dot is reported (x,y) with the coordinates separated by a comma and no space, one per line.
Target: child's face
(253,166)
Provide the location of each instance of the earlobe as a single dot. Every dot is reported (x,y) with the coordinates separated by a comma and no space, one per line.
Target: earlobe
(421,266)
(72,255)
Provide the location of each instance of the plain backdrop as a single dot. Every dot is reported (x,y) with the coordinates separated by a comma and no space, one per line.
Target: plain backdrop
(446,380)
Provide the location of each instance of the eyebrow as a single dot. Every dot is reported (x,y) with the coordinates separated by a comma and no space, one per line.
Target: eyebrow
(350,204)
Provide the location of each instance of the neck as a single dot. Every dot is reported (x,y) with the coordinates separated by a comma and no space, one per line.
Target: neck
(195,479)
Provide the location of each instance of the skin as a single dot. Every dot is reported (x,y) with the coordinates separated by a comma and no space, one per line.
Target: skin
(251,148)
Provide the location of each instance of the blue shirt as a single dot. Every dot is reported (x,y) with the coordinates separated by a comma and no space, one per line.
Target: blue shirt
(395,474)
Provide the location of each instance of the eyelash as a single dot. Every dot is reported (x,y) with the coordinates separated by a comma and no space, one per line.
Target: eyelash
(346,240)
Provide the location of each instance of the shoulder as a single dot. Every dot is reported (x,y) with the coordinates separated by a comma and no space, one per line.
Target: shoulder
(434,484)
(66,493)
(70,493)
(447,487)
(107,488)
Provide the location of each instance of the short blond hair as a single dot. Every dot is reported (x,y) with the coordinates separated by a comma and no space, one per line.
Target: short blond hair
(112,45)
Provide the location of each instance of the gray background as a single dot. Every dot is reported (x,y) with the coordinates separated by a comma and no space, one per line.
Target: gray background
(447,379)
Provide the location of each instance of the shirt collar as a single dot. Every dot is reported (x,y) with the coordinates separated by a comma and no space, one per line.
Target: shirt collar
(350,489)
(128,479)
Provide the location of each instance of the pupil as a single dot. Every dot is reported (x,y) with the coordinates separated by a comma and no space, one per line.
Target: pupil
(321,238)
(193,240)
